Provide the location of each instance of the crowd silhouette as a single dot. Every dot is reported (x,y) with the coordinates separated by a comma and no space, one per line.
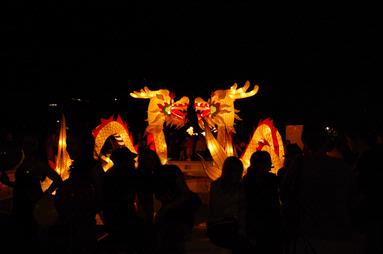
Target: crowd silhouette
(326,199)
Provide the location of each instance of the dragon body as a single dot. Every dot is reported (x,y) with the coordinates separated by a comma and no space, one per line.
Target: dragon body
(162,110)
(110,127)
(219,113)
(266,138)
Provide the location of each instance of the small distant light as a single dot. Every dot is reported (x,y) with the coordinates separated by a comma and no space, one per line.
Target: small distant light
(327,128)
(52,104)
(190,130)
(57,121)
(115,99)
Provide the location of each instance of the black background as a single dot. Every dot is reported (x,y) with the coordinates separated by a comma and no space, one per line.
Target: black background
(309,61)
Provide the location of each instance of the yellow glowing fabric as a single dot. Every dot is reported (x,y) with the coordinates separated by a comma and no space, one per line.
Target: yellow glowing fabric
(63,160)
(107,128)
(162,109)
(219,112)
(266,138)
(217,153)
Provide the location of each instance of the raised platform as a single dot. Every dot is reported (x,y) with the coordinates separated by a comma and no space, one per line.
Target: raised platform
(195,176)
(191,168)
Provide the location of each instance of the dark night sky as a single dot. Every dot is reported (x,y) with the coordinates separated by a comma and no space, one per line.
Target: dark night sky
(306,62)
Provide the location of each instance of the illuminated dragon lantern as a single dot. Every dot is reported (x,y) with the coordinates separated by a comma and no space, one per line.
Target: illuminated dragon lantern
(266,138)
(61,161)
(162,110)
(219,112)
(111,128)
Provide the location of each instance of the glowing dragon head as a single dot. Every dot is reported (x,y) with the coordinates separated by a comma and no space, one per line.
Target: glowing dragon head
(175,113)
(219,109)
(162,108)
(209,111)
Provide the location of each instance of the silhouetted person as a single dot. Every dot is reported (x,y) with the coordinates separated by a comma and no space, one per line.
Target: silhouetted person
(317,198)
(292,151)
(10,158)
(227,200)
(27,190)
(263,220)
(75,201)
(187,148)
(120,216)
(148,164)
(174,220)
(370,179)
(201,147)
(10,153)
(239,147)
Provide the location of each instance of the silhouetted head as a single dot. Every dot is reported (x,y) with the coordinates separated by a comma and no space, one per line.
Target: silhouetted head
(292,150)
(232,170)
(80,145)
(169,182)
(260,161)
(123,157)
(148,160)
(314,137)
(30,144)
